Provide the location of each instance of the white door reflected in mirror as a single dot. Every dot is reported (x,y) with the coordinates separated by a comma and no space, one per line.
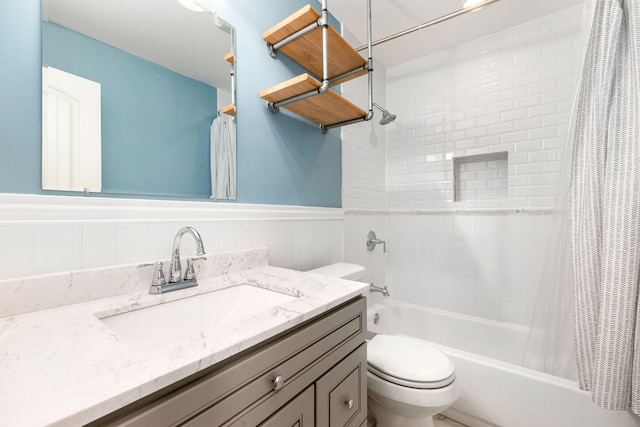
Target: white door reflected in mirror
(71,132)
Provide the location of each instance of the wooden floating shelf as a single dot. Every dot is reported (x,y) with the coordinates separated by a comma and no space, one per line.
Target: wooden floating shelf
(229,110)
(307,49)
(326,109)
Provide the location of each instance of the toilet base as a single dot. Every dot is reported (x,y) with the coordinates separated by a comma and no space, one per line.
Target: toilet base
(385,418)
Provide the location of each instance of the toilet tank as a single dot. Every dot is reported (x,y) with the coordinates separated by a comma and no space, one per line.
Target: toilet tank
(343,270)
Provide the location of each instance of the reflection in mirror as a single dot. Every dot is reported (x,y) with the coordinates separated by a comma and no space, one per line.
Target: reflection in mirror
(223,131)
(165,82)
(70,132)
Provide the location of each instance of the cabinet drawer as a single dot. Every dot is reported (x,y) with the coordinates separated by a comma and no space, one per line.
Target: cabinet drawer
(342,392)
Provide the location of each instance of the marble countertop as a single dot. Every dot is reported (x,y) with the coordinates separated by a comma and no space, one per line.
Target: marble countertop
(63,367)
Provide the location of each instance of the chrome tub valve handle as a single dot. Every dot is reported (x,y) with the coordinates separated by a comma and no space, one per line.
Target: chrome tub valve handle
(372,241)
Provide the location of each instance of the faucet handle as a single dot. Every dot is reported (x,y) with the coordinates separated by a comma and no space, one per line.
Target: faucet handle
(372,241)
(158,274)
(384,245)
(190,274)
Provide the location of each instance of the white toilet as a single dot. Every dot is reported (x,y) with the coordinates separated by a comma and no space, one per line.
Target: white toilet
(408,380)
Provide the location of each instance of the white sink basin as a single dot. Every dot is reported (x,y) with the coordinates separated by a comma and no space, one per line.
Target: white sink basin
(152,327)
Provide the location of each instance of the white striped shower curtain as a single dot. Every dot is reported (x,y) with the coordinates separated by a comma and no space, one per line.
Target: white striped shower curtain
(604,200)
(223,158)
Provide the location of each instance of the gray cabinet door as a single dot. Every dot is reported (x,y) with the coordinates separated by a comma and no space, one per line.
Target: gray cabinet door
(342,392)
(297,413)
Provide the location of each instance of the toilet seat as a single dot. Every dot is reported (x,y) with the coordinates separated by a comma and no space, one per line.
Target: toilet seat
(409,362)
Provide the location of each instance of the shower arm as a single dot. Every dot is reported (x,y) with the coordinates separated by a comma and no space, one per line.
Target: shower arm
(379,107)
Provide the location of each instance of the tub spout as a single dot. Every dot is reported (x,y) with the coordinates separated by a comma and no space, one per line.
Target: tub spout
(383,290)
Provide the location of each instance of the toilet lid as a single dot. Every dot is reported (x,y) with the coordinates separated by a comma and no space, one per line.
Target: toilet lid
(409,361)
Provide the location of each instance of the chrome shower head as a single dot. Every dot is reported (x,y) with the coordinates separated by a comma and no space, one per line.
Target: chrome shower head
(387,117)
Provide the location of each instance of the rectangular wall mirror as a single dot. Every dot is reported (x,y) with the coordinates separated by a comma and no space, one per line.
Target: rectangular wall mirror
(138,99)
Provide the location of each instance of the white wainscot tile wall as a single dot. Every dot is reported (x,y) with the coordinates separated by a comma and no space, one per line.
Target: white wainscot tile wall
(51,234)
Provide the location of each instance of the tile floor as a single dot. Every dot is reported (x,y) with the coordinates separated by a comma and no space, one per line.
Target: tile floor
(438,421)
(442,421)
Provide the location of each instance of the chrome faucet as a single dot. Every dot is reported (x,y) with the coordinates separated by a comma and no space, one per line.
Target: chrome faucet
(159,285)
(176,266)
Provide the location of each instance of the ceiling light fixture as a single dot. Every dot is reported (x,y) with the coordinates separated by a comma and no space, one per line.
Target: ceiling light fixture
(469,4)
(192,5)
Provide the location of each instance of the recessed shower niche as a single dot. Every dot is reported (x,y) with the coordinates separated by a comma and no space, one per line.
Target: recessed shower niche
(481,177)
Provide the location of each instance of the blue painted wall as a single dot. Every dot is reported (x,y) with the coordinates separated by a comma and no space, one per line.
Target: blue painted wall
(282,159)
(20,104)
(289,158)
(143,135)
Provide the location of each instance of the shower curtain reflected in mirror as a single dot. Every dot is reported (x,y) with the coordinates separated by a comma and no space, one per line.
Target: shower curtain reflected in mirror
(223,158)
(223,152)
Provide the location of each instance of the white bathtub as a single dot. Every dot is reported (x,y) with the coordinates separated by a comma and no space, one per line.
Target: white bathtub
(495,389)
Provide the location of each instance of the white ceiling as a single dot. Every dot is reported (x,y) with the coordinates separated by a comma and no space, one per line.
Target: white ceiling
(160,31)
(189,43)
(392,16)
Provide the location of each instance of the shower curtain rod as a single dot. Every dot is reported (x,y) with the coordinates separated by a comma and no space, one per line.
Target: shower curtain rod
(429,23)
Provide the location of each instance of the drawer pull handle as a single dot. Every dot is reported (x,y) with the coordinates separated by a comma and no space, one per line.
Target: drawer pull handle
(349,403)
(278,382)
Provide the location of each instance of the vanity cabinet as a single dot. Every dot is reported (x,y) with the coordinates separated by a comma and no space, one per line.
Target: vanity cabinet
(313,375)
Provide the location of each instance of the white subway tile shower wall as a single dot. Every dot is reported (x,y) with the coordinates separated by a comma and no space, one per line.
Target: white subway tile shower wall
(363,145)
(510,91)
(44,238)
(476,264)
